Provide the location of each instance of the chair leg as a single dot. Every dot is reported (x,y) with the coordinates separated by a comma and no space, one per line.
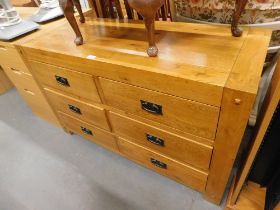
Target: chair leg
(79,8)
(128,10)
(94,4)
(150,26)
(119,8)
(239,8)
(111,10)
(67,7)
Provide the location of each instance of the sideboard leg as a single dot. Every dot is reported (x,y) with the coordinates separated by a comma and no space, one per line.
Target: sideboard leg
(68,131)
(235,111)
(239,8)
(67,7)
(150,26)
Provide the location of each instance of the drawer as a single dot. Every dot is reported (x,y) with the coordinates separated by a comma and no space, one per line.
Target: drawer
(89,113)
(21,79)
(188,116)
(11,57)
(90,132)
(164,142)
(5,83)
(78,84)
(182,173)
(32,94)
(39,106)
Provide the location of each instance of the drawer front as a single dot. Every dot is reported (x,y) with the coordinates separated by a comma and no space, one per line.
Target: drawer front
(5,83)
(11,57)
(78,84)
(172,145)
(185,115)
(180,172)
(90,132)
(32,94)
(84,111)
(39,105)
(21,79)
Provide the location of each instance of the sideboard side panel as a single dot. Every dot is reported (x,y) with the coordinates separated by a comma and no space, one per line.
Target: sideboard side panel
(232,124)
(238,98)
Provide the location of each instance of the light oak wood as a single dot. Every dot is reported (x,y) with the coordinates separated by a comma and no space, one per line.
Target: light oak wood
(98,136)
(252,197)
(5,83)
(186,115)
(277,207)
(192,68)
(32,94)
(242,86)
(180,172)
(11,57)
(157,125)
(80,85)
(177,147)
(202,70)
(20,78)
(269,106)
(92,114)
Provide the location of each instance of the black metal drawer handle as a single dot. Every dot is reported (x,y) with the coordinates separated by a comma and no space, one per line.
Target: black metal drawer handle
(86,131)
(151,107)
(74,109)
(155,140)
(62,81)
(158,163)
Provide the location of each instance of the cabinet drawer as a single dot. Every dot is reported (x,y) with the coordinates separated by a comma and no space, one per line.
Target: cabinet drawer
(180,172)
(21,79)
(5,83)
(172,145)
(39,105)
(84,111)
(188,116)
(78,84)
(90,132)
(32,94)
(11,57)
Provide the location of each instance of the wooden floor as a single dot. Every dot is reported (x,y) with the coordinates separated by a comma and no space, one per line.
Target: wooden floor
(252,197)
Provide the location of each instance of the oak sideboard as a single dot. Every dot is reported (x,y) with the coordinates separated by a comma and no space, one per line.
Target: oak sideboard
(181,114)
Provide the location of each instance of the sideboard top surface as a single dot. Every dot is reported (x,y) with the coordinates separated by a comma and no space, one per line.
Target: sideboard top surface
(26,13)
(206,54)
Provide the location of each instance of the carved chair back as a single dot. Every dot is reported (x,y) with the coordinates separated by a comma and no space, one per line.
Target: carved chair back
(121,9)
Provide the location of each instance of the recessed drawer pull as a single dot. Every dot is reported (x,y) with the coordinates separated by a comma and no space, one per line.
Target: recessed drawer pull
(86,131)
(155,140)
(2,47)
(74,109)
(158,163)
(29,92)
(16,71)
(151,107)
(62,81)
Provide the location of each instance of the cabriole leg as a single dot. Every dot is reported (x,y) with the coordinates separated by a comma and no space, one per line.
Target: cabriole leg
(79,8)
(150,26)
(67,7)
(239,8)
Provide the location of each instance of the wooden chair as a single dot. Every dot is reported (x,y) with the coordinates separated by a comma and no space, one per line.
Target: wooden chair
(121,9)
